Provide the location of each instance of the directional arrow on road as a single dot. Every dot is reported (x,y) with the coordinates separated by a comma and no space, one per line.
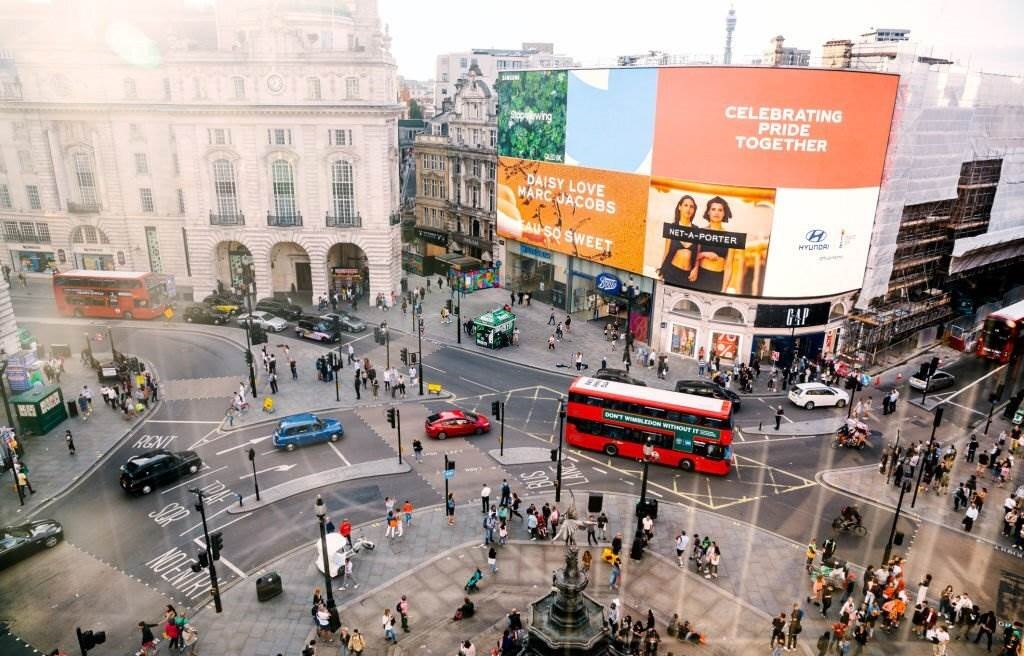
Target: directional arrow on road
(255,440)
(280,468)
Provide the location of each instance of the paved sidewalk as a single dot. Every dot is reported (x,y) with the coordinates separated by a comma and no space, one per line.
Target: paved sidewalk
(761,574)
(52,469)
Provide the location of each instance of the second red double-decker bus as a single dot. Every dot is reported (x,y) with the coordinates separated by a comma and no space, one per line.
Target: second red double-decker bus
(1002,332)
(113,294)
(691,432)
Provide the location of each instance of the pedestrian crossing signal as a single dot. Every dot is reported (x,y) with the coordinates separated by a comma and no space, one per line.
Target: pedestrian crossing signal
(391,416)
(554,455)
(216,544)
(404,355)
(496,409)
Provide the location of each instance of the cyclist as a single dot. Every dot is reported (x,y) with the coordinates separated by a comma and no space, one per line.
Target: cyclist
(851,516)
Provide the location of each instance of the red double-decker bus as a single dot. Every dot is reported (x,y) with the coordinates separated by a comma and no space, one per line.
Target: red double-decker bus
(693,433)
(1002,332)
(113,294)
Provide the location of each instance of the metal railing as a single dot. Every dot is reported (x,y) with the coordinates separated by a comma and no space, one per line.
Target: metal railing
(83,208)
(234,219)
(284,220)
(332,221)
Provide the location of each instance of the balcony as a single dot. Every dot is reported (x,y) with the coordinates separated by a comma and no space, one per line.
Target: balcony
(83,208)
(235,219)
(284,220)
(343,221)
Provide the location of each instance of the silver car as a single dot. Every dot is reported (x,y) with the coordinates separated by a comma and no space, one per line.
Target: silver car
(265,320)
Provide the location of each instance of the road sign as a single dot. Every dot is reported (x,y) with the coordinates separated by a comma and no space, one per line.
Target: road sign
(449,474)
(775,356)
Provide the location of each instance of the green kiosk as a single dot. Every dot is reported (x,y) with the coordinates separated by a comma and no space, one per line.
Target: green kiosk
(40,409)
(494,329)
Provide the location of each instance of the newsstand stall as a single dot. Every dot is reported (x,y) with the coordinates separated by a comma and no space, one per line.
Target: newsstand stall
(494,329)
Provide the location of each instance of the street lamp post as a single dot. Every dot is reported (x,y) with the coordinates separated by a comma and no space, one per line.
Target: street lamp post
(558,467)
(630,293)
(252,459)
(336,365)
(250,291)
(419,355)
(321,515)
(387,343)
(853,394)
(211,557)
(636,550)
(457,294)
(896,518)
(993,401)
(936,420)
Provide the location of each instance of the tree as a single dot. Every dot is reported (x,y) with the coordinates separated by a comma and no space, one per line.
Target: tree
(415,111)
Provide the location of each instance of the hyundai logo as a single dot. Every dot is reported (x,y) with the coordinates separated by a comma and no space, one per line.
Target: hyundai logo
(815,236)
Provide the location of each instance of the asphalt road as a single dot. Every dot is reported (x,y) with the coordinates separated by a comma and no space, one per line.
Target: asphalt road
(154,537)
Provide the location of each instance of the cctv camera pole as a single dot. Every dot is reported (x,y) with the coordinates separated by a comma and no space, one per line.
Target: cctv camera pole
(558,470)
(419,357)
(250,292)
(252,459)
(214,587)
(895,518)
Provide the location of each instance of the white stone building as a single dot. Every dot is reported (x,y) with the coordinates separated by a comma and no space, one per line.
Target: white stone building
(184,141)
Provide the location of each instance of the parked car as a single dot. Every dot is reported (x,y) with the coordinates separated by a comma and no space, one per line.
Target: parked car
(227,303)
(345,321)
(619,376)
(305,429)
(452,423)
(813,395)
(941,379)
(145,472)
(21,541)
(709,389)
(202,313)
(317,329)
(264,320)
(280,308)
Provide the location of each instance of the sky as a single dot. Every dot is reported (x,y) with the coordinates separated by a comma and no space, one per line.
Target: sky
(979,32)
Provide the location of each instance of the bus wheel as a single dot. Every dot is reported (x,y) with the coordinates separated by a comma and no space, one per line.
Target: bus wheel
(79,313)
(686,465)
(128,316)
(611,449)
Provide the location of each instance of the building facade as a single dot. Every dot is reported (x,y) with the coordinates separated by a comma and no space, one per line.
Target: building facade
(455,174)
(454,66)
(189,142)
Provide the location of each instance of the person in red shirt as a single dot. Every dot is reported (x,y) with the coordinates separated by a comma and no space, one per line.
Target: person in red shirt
(346,530)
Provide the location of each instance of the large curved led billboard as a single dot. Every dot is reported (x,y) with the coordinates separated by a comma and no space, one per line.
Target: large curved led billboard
(744,181)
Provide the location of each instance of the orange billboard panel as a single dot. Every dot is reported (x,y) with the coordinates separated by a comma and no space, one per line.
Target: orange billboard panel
(589,213)
(773,127)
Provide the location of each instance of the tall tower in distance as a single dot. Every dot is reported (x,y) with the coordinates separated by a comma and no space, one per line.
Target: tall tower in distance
(730,25)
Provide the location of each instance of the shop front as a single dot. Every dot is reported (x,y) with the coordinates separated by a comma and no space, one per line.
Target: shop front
(431,245)
(29,260)
(96,261)
(538,271)
(807,318)
(469,274)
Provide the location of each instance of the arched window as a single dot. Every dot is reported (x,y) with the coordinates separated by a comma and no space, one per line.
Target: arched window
(224,188)
(86,178)
(87,234)
(687,308)
(838,312)
(284,191)
(728,315)
(343,192)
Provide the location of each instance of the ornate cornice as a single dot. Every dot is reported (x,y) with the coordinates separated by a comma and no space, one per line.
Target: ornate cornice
(169,109)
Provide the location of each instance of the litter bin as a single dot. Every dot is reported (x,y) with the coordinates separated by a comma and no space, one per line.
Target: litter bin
(268,586)
(72,408)
(648,507)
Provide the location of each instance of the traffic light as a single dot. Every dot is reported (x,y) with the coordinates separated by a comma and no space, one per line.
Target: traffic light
(216,544)
(449,464)
(554,455)
(412,358)
(257,335)
(248,358)
(496,409)
(933,366)
(404,355)
(203,561)
(391,416)
(448,304)
(89,639)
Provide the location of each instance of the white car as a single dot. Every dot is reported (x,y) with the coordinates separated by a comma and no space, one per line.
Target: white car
(812,395)
(265,320)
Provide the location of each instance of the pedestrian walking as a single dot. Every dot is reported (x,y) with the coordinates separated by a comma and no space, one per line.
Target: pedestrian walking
(407,513)
(492,560)
(592,531)
(449,508)
(148,639)
(356,644)
(779,413)
(794,627)
(273,383)
(616,572)
(357,385)
(294,369)
(417,450)
(485,498)
(682,541)
(23,481)
(551,318)
(69,440)
(392,525)
(403,612)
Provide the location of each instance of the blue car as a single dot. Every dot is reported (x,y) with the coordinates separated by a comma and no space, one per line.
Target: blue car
(300,430)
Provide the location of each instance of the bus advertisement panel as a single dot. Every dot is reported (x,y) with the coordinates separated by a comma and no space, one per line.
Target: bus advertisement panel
(693,433)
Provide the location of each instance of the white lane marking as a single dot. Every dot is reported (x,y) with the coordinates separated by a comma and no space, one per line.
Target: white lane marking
(977,412)
(280,468)
(961,391)
(179,421)
(568,457)
(245,444)
(739,434)
(224,561)
(236,519)
(427,366)
(202,440)
(200,524)
(194,478)
(473,382)
(653,493)
(343,458)
(599,470)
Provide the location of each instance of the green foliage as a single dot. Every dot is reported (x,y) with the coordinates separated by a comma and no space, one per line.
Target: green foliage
(415,111)
(533,93)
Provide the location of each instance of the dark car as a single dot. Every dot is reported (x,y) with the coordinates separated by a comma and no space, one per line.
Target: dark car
(202,313)
(619,376)
(317,329)
(227,303)
(144,472)
(283,309)
(709,389)
(19,542)
(345,321)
